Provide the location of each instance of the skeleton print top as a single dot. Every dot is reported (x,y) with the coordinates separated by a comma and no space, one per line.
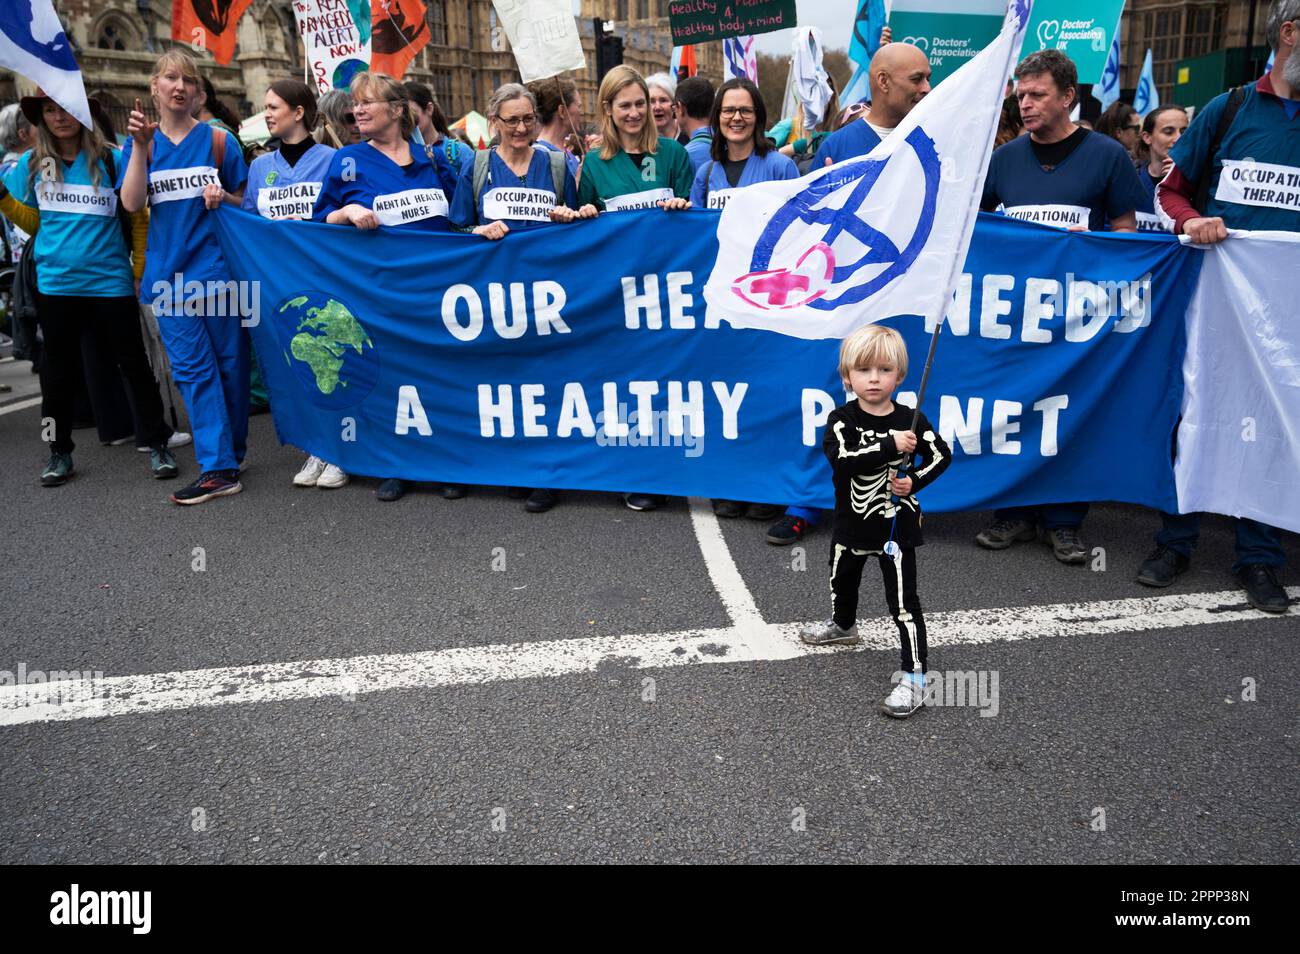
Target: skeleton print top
(863,455)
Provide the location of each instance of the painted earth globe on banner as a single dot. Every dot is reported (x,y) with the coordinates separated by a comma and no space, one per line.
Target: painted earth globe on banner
(328,349)
(345,71)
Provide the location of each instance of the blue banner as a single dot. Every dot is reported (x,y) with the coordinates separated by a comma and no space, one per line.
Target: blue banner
(582,357)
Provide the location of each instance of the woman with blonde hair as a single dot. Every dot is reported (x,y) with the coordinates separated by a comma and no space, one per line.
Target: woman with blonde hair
(62,193)
(182,168)
(635,168)
(385,180)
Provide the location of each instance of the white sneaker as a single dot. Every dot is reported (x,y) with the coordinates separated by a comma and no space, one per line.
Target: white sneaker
(332,477)
(905,699)
(178,439)
(310,473)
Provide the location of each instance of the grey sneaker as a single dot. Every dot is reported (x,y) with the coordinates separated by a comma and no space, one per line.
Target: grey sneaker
(162,463)
(905,698)
(57,470)
(828,634)
(1065,544)
(1004,533)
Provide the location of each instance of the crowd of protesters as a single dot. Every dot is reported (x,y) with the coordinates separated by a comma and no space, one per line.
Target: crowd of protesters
(645,142)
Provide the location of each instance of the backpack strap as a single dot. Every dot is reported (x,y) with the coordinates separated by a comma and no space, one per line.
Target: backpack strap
(480,173)
(1230,109)
(218,146)
(559,168)
(708,184)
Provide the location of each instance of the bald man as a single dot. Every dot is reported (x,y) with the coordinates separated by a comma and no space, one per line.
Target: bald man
(900,77)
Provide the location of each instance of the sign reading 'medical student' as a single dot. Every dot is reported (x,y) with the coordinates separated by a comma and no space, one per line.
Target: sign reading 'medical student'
(949,32)
(699,21)
(1081,29)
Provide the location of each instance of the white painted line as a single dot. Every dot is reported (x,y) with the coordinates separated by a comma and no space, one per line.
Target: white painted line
(348,677)
(20,405)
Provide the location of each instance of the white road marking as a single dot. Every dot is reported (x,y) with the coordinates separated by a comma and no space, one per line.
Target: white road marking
(314,679)
(20,405)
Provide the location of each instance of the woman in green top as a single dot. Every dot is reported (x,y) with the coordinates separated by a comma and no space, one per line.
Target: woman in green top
(635,167)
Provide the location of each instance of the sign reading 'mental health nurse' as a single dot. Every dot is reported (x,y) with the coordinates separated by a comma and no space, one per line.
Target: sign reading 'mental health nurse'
(1081,29)
(950,32)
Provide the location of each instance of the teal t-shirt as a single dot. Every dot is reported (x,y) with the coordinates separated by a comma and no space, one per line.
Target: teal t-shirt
(80,249)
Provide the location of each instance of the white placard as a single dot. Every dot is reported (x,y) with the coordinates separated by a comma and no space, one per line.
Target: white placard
(533,205)
(543,35)
(79,199)
(294,201)
(638,200)
(1267,184)
(170,185)
(1062,216)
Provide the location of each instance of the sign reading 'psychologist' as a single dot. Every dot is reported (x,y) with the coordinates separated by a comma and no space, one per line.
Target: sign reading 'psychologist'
(699,21)
(584,357)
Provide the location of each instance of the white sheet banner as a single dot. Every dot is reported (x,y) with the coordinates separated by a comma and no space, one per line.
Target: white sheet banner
(543,35)
(1239,443)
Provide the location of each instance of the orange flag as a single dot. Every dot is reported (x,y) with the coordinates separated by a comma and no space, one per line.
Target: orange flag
(398,31)
(208,25)
(686,67)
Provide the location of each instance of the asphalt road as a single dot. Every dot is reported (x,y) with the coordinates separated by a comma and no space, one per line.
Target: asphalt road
(737,750)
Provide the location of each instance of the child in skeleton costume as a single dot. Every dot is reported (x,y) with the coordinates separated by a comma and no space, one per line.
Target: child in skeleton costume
(866,442)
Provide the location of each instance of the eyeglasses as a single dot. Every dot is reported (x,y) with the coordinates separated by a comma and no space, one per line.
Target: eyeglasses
(518,122)
(349,118)
(744,112)
(1136,127)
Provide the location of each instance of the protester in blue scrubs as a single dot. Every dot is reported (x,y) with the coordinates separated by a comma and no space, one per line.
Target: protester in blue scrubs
(559,117)
(284,185)
(694,99)
(1161,129)
(387,180)
(182,169)
(516,187)
(431,127)
(62,195)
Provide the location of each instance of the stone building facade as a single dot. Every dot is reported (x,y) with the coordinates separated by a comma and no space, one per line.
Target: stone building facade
(1179,29)
(467,56)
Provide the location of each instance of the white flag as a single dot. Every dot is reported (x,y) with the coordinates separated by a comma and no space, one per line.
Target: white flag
(32,43)
(871,237)
(1239,441)
(543,35)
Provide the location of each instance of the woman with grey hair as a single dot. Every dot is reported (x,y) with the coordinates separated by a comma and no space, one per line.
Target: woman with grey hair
(513,187)
(337,126)
(16,137)
(663,95)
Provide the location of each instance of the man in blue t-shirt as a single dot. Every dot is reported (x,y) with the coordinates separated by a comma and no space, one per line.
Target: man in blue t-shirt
(1066,176)
(694,99)
(1263,133)
(899,75)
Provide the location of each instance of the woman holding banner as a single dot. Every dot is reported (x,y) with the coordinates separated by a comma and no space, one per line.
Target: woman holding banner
(741,155)
(284,185)
(386,180)
(515,187)
(182,168)
(635,168)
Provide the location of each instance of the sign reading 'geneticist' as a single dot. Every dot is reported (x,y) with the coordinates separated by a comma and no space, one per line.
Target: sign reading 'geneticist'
(699,21)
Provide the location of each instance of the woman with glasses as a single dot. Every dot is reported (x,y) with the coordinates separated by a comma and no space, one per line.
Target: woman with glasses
(740,154)
(514,187)
(338,123)
(386,180)
(1120,121)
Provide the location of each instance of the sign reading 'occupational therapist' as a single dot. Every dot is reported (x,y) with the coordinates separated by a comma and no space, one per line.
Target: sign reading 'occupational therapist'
(949,32)
(699,21)
(1081,29)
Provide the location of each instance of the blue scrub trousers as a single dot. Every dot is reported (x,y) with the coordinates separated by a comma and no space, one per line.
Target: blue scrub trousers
(209,356)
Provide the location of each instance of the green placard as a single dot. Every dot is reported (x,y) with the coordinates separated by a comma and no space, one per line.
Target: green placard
(949,31)
(1082,29)
(699,21)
